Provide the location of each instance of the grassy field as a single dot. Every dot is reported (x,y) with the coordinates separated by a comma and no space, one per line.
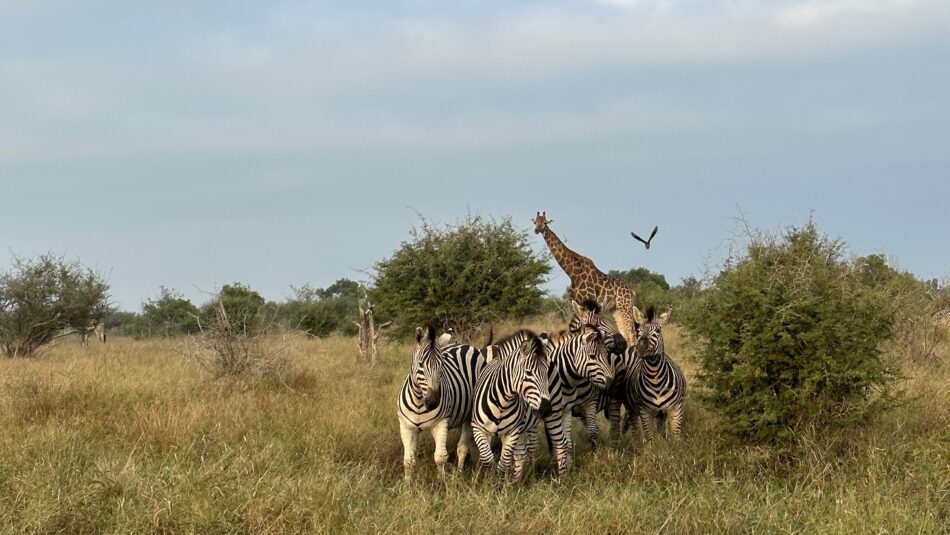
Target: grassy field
(129,437)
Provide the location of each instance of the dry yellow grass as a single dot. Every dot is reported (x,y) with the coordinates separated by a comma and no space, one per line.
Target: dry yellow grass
(131,437)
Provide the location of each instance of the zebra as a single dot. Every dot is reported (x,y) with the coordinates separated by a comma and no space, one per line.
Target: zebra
(600,400)
(95,327)
(511,396)
(655,384)
(578,364)
(437,395)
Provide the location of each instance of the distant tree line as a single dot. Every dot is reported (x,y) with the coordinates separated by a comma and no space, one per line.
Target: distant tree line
(316,311)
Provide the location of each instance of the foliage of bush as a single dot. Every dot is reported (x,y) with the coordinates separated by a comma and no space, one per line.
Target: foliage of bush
(47,297)
(321,312)
(169,314)
(243,306)
(790,334)
(467,274)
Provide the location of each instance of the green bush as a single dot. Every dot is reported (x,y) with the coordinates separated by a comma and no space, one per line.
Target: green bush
(465,275)
(321,312)
(169,314)
(243,307)
(790,334)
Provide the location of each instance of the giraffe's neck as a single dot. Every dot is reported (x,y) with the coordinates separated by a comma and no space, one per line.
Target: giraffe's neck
(565,257)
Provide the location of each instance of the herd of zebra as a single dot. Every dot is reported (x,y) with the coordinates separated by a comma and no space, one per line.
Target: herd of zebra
(502,392)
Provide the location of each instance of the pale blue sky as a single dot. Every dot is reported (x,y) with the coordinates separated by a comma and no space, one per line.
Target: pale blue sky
(191,144)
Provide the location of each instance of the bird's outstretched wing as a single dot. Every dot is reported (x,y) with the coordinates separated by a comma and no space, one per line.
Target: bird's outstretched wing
(652,234)
(638,238)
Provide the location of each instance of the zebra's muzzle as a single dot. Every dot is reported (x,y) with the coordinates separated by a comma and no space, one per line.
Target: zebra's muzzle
(432,399)
(620,344)
(545,408)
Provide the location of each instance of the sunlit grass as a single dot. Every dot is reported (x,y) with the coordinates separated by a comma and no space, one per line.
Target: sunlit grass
(132,437)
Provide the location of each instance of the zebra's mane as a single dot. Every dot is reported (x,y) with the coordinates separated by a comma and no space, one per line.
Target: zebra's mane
(520,333)
(591,305)
(427,330)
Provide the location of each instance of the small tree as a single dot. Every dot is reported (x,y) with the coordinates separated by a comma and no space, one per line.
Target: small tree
(169,314)
(47,297)
(790,337)
(651,288)
(320,311)
(242,306)
(465,274)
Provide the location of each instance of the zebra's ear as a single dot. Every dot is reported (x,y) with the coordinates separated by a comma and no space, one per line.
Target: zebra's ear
(638,316)
(665,317)
(419,334)
(592,336)
(578,311)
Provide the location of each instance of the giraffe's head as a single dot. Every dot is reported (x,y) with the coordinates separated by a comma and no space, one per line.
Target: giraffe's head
(541,222)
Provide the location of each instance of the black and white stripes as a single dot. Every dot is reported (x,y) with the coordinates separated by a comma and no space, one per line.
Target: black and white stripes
(654,383)
(511,396)
(437,396)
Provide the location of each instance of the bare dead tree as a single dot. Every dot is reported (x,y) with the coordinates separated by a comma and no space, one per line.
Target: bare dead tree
(368,334)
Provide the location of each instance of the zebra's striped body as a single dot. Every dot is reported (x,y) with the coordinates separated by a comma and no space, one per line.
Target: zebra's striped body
(510,397)
(437,396)
(578,364)
(654,383)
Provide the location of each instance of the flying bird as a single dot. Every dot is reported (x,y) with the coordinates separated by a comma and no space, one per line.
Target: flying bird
(646,242)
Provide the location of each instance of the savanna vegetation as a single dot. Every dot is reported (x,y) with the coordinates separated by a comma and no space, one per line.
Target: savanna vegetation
(818,395)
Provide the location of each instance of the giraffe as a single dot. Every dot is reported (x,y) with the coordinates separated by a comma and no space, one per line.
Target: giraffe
(590,283)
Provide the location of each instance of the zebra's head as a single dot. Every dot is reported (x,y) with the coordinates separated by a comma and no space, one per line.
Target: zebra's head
(588,313)
(541,222)
(425,366)
(650,334)
(531,371)
(592,359)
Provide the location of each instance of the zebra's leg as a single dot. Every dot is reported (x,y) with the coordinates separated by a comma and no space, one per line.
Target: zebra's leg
(507,453)
(531,446)
(558,438)
(465,445)
(440,434)
(486,459)
(613,416)
(590,422)
(410,436)
(676,419)
(646,423)
(567,444)
(519,456)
